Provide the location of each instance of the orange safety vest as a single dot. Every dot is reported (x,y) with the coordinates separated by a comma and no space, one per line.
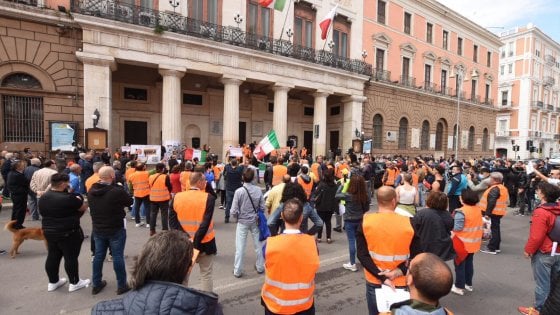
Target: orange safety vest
(391,177)
(501,203)
(140,185)
(306,187)
(471,235)
(185,180)
(129,172)
(278,171)
(158,190)
(315,170)
(415,179)
(388,237)
(289,290)
(190,206)
(217,172)
(91,180)
(303,152)
(340,168)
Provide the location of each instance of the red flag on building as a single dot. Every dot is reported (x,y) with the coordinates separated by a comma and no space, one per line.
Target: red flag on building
(327,21)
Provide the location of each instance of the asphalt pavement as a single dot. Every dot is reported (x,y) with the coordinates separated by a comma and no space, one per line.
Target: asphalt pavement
(502,282)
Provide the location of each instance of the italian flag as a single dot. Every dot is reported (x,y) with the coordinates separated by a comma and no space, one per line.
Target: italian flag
(190,154)
(276,4)
(267,144)
(326,22)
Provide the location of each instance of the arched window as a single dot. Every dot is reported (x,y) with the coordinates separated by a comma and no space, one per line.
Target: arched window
(425,136)
(456,142)
(377,142)
(471,138)
(485,139)
(23,115)
(439,136)
(21,81)
(403,132)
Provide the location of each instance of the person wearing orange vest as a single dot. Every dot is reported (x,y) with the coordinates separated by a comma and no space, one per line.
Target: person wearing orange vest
(390,175)
(383,246)
(468,228)
(278,171)
(303,153)
(317,169)
(160,193)
(95,177)
(192,211)
(141,187)
(289,290)
(429,279)
(494,203)
(305,181)
(185,176)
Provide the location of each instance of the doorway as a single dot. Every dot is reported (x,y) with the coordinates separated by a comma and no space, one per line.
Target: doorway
(308,141)
(135,132)
(242,132)
(334,140)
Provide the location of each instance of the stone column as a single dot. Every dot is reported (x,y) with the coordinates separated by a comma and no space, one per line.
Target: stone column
(280,115)
(171,103)
(230,134)
(320,123)
(98,91)
(352,119)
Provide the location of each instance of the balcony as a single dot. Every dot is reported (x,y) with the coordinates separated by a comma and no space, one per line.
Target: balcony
(475,99)
(32,3)
(488,101)
(381,75)
(537,105)
(547,135)
(446,91)
(535,134)
(231,35)
(550,107)
(503,134)
(548,81)
(505,107)
(550,60)
(407,81)
(556,137)
(558,109)
(429,87)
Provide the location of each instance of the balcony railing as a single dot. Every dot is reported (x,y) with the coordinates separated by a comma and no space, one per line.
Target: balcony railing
(171,22)
(430,87)
(489,101)
(548,81)
(33,3)
(537,105)
(381,75)
(446,91)
(408,81)
(536,134)
(558,109)
(556,137)
(503,133)
(550,107)
(475,99)
(547,135)
(549,59)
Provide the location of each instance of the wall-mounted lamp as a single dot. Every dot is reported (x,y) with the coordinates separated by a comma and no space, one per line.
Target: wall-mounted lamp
(95,117)
(238,18)
(364,54)
(174,4)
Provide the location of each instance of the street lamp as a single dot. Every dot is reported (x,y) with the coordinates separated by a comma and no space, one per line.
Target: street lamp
(331,45)
(364,54)
(95,117)
(174,4)
(459,78)
(289,33)
(238,18)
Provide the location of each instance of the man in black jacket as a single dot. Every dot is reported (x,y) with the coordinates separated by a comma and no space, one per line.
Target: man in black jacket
(107,202)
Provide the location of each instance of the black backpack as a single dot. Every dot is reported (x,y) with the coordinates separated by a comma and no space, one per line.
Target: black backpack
(554,234)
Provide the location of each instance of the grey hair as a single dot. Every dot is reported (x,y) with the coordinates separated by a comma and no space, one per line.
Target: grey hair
(97,166)
(74,167)
(497,177)
(9,155)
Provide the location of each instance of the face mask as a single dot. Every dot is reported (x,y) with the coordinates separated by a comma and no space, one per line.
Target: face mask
(480,177)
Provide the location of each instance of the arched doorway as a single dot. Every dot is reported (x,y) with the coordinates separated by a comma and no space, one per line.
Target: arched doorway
(377,142)
(485,139)
(425,136)
(441,131)
(403,133)
(471,138)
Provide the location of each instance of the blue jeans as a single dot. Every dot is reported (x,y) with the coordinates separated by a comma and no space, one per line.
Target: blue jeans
(145,203)
(229,201)
(464,272)
(421,195)
(241,240)
(116,242)
(545,268)
(33,205)
(494,243)
(351,227)
(370,297)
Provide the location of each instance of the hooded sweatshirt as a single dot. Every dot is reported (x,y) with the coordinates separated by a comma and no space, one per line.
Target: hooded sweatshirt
(106,204)
(542,223)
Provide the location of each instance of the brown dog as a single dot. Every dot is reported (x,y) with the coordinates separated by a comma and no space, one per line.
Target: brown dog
(22,235)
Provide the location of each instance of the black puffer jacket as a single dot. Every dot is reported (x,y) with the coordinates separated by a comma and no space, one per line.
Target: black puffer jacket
(161,298)
(432,233)
(106,204)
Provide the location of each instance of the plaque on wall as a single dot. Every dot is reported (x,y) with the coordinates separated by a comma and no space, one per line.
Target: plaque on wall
(257,128)
(96,139)
(215,127)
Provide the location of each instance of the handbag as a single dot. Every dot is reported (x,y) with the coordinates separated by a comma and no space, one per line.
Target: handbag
(264,231)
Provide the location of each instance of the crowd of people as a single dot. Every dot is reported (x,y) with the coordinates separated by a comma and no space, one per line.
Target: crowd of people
(429,211)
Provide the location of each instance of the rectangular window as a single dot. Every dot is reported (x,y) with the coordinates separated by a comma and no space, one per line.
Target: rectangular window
(429,32)
(135,94)
(510,68)
(381,11)
(445,40)
(487,95)
(23,118)
(303,32)
(340,40)
(192,99)
(271,107)
(504,98)
(379,59)
(443,82)
(427,75)
(202,10)
(258,20)
(475,53)
(407,22)
(473,89)
(489,59)
(502,67)
(335,110)
(510,50)
(308,111)
(405,67)
(459,46)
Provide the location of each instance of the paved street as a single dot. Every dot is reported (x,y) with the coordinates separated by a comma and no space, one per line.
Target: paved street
(502,282)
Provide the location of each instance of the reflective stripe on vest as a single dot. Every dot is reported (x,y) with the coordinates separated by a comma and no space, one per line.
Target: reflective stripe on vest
(501,203)
(289,290)
(190,206)
(471,235)
(140,185)
(388,237)
(158,190)
(388,258)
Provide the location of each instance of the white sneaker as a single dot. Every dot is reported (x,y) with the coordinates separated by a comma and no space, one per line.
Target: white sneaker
(469,288)
(147,226)
(83,283)
(349,266)
(457,291)
(139,224)
(54,286)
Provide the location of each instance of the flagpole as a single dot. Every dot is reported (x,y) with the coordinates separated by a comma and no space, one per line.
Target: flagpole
(285,20)
(329,29)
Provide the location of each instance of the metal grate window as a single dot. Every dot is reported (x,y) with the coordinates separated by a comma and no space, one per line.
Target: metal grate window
(23,118)
(377,142)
